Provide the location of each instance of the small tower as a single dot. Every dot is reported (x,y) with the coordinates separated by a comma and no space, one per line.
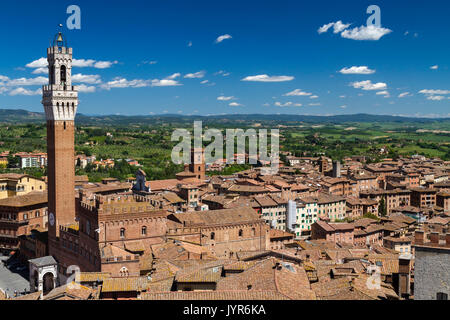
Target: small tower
(60,100)
(197,165)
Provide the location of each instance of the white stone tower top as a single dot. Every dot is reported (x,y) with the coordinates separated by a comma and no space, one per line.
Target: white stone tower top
(60,98)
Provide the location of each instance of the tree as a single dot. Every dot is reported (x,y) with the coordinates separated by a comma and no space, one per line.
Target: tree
(13,162)
(382,208)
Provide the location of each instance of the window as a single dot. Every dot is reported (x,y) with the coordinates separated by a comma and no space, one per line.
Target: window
(122,233)
(123,272)
(441,296)
(213,236)
(25,216)
(241,233)
(38,214)
(63,75)
(144,231)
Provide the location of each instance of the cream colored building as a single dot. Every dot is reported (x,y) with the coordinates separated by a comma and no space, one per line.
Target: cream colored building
(13,184)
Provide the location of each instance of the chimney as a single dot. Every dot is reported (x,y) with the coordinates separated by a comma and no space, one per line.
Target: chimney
(418,237)
(434,237)
(447,240)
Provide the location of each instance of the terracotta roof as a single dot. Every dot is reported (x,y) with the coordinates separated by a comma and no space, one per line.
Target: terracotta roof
(202,275)
(215,295)
(276,233)
(93,276)
(134,246)
(28,297)
(70,291)
(124,284)
(30,199)
(213,217)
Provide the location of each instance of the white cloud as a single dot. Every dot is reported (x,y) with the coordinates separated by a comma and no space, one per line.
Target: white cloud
(297,92)
(124,83)
(81,63)
(197,75)
(383,93)
(434,67)
(343,107)
(174,76)
(357,70)
(325,27)
(164,83)
(223,37)
(436,98)
(104,64)
(189,44)
(371,32)
(287,104)
(368,85)
(3,79)
(119,82)
(40,63)
(43,70)
(86,78)
(204,82)
(337,26)
(223,98)
(25,92)
(266,78)
(38,81)
(314,97)
(86,89)
(434,92)
(314,104)
(235,104)
(403,94)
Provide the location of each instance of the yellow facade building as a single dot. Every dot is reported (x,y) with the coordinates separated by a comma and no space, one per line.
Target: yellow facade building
(13,184)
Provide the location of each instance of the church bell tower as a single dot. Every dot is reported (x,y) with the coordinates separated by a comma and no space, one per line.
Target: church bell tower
(60,100)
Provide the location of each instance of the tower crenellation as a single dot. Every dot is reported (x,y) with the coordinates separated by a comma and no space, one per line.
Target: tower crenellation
(60,98)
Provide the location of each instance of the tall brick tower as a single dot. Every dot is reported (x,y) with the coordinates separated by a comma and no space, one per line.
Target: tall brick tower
(60,100)
(197,165)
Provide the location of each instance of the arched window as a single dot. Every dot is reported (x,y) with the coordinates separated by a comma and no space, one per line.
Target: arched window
(63,75)
(122,233)
(241,233)
(253,232)
(88,227)
(144,231)
(213,236)
(38,214)
(52,75)
(123,272)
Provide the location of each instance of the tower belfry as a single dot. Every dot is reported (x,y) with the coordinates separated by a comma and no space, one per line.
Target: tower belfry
(60,100)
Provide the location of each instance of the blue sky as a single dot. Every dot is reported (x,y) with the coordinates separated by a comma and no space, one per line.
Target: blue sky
(156,57)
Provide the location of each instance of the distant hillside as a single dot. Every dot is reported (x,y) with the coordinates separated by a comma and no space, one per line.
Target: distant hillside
(23,116)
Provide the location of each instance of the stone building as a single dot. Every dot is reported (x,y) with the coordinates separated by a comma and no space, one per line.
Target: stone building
(432,261)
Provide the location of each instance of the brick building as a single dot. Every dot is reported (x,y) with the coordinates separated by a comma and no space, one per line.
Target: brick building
(224,232)
(423,197)
(19,215)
